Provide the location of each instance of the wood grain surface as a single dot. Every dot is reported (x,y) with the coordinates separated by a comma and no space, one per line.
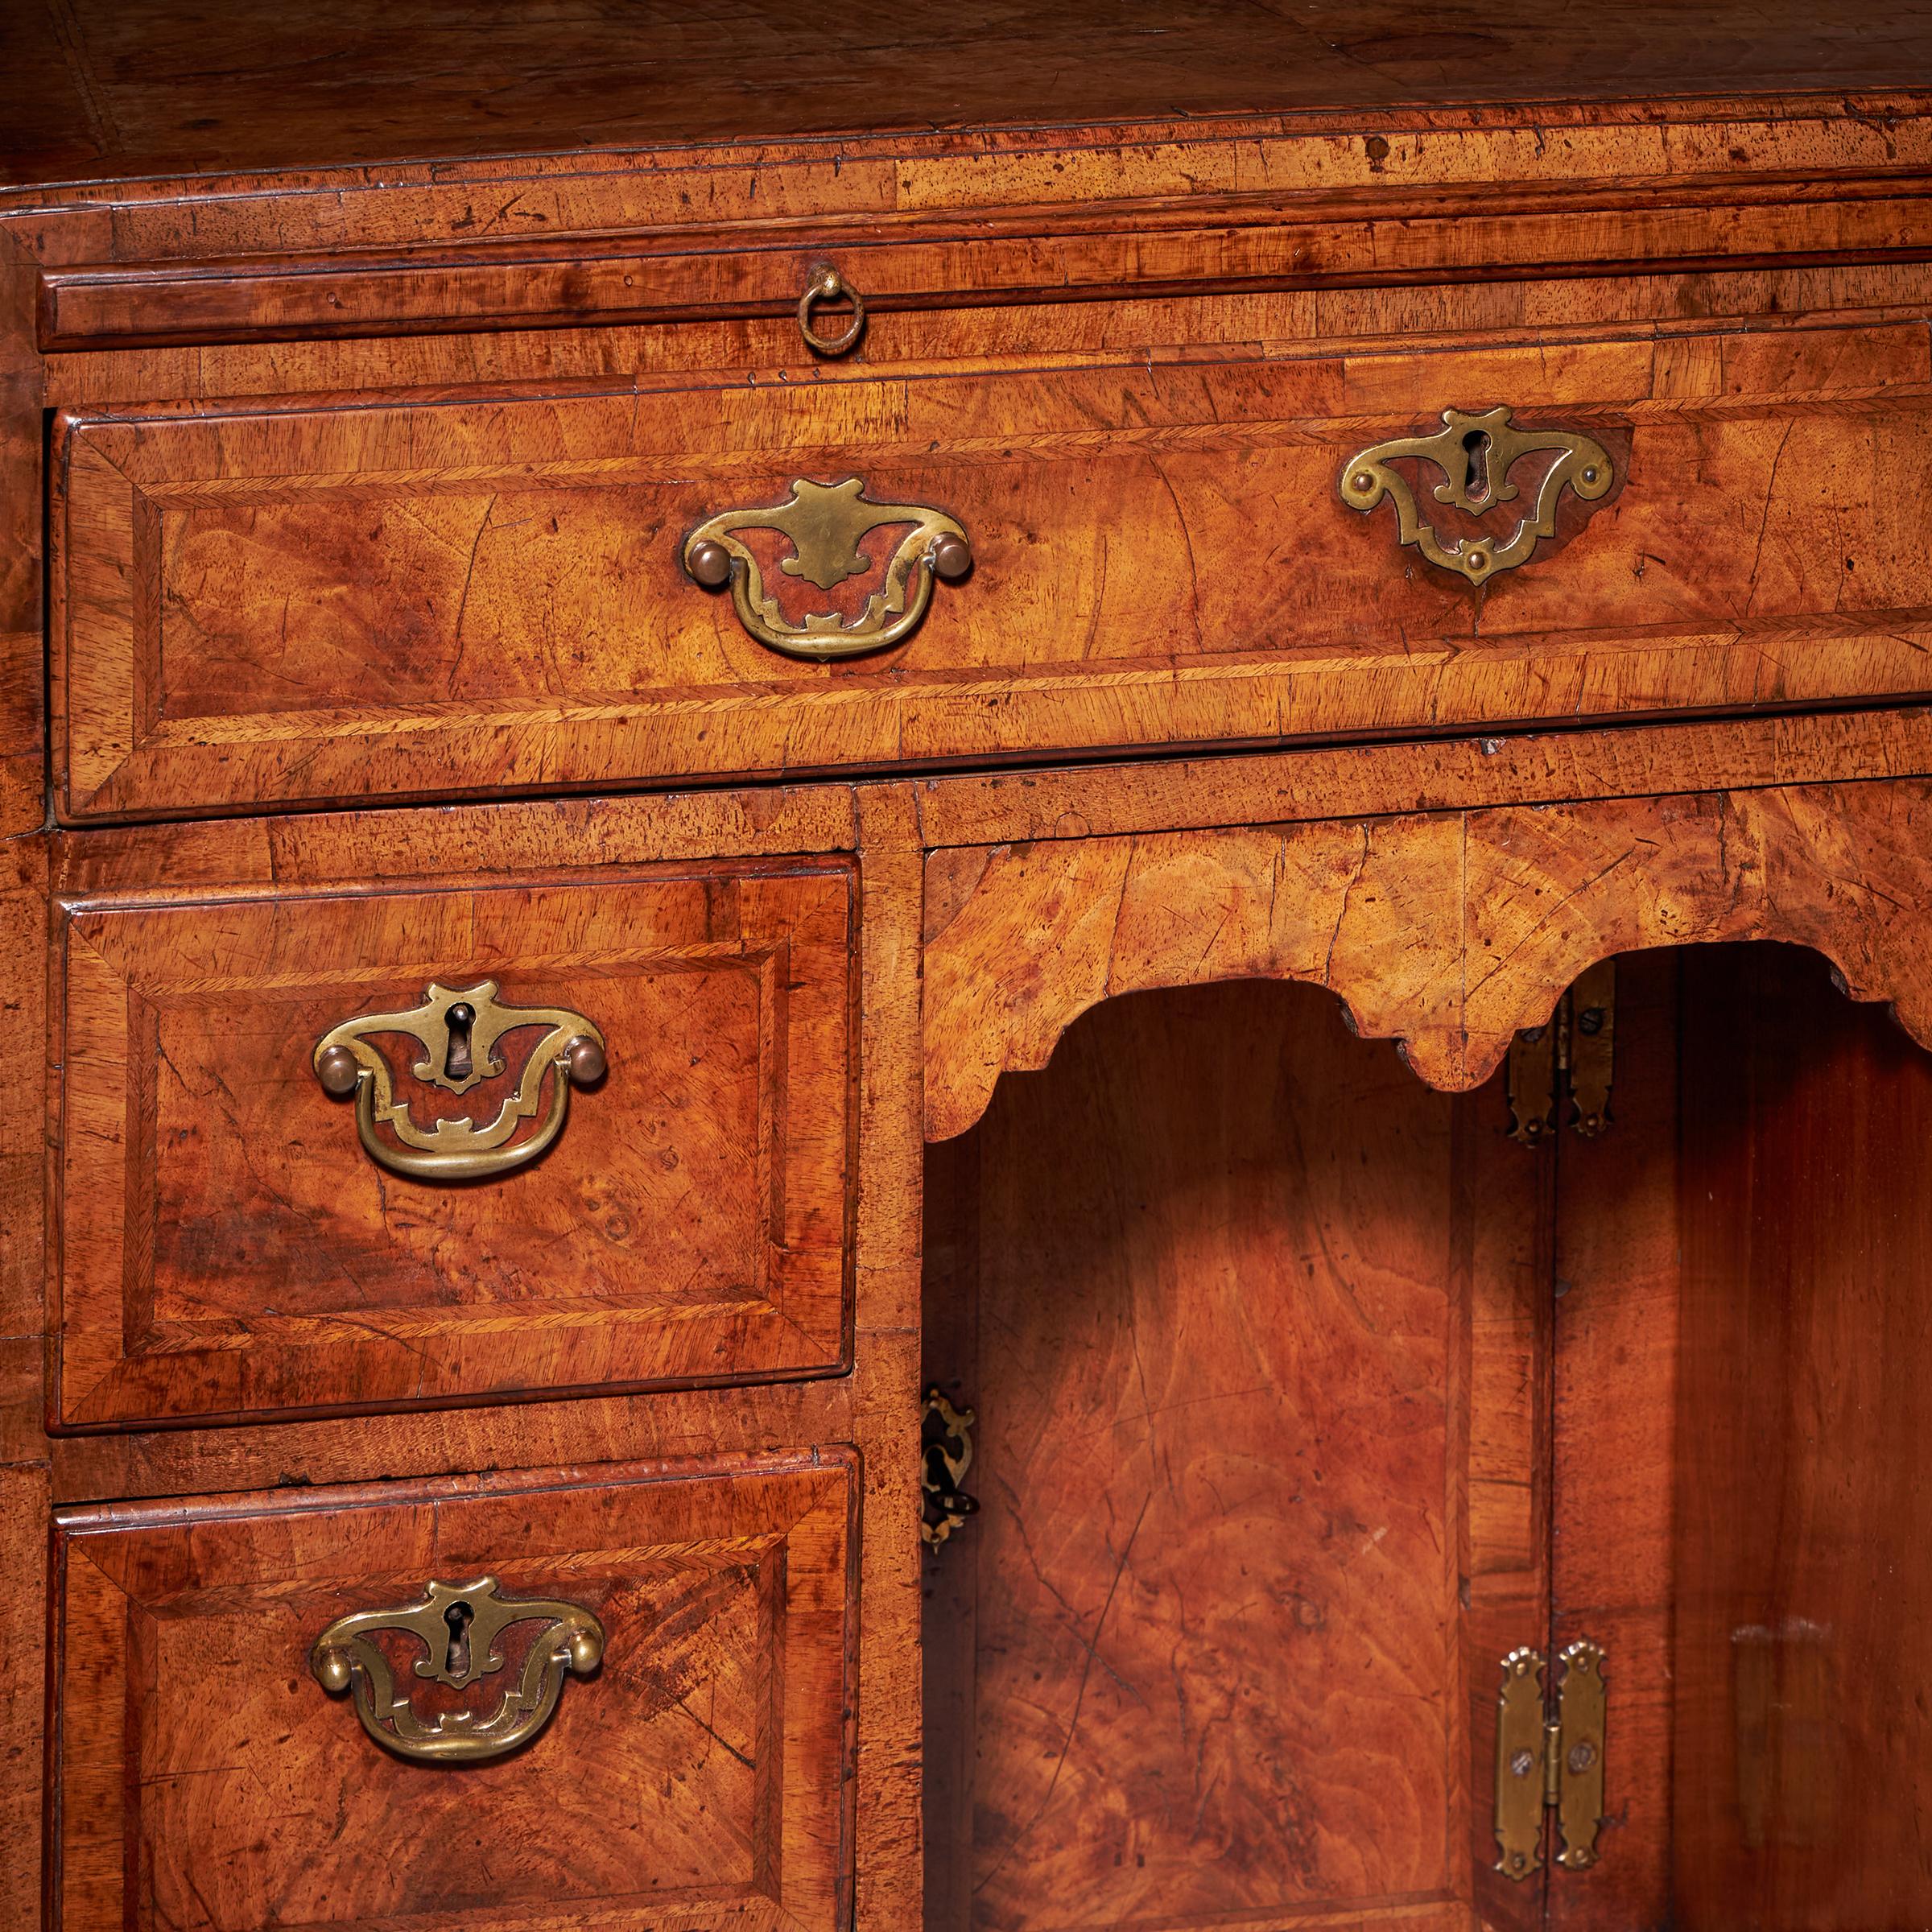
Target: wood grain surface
(1252,1323)
(228,1247)
(206,1782)
(102,92)
(1449,931)
(1801,1728)
(405,598)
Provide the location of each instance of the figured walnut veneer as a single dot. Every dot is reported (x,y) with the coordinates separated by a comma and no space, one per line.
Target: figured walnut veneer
(396,596)
(228,1247)
(699,1778)
(1447,932)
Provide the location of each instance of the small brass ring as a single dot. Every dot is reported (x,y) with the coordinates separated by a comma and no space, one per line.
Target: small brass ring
(826,284)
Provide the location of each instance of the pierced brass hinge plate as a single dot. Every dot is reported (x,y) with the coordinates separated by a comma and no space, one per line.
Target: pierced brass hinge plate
(1563,1072)
(1550,1762)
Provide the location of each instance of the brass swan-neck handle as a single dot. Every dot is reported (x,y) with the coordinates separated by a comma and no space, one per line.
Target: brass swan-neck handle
(459,1029)
(458,1625)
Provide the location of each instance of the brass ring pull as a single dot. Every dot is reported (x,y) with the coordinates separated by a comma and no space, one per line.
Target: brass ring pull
(1475,454)
(458,1625)
(458,1029)
(825,523)
(826,284)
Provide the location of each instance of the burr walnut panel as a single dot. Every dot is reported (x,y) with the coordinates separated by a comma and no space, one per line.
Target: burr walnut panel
(227,1247)
(383,596)
(204,1781)
(1448,931)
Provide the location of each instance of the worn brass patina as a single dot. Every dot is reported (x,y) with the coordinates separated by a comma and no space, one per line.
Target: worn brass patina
(1475,454)
(458,1029)
(1550,1763)
(458,1625)
(825,523)
(826,284)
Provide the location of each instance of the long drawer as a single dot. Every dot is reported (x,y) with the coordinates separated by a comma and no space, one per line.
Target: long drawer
(616,1696)
(343,1150)
(392,595)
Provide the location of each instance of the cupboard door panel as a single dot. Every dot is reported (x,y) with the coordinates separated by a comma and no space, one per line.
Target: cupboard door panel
(228,1246)
(1253,1325)
(205,1783)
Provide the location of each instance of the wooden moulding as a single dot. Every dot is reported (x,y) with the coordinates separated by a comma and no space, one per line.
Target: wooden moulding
(1050,253)
(1445,931)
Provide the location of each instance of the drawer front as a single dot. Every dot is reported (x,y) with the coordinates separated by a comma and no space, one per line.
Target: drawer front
(382,597)
(205,1780)
(235,1240)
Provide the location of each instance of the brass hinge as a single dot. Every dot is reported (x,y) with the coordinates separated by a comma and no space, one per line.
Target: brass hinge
(1568,1063)
(1546,1762)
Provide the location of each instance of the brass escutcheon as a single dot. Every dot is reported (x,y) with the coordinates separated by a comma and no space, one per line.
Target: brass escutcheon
(825,523)
(1476,453)
(946,1456)
(458,1625)
(458,1029)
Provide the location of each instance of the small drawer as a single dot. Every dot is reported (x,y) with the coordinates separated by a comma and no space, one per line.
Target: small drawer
(382,595)
(351,1150)
(617,1697)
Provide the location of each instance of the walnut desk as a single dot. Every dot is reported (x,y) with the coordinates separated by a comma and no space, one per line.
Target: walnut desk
(947,969)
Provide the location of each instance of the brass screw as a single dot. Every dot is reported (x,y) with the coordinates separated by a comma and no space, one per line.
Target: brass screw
(1522,1764)
(1583,1756)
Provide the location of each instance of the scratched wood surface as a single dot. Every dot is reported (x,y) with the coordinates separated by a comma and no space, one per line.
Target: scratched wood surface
(206,1781)
(1256,1347)
(1449,931)
(274,608)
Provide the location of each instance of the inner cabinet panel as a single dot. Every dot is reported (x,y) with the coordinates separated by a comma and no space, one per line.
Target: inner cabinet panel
(235,1240)
(693,1771)
(1803,1717)
(1251,1320)
(1301,1396)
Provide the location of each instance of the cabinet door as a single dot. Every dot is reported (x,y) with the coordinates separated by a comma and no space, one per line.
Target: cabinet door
(1254,1325)
(697,1776)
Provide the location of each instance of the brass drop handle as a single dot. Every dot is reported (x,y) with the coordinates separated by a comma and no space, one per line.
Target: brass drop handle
(1476,453)
(459,1029)
(457,1625)
(825,523)
(826,284)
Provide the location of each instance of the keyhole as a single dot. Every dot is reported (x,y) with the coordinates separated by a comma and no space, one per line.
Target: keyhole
(457,1065)
(1476,481)
(458,1617)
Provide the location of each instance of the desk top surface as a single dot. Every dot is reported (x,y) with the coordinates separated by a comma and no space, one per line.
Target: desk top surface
(105,91)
